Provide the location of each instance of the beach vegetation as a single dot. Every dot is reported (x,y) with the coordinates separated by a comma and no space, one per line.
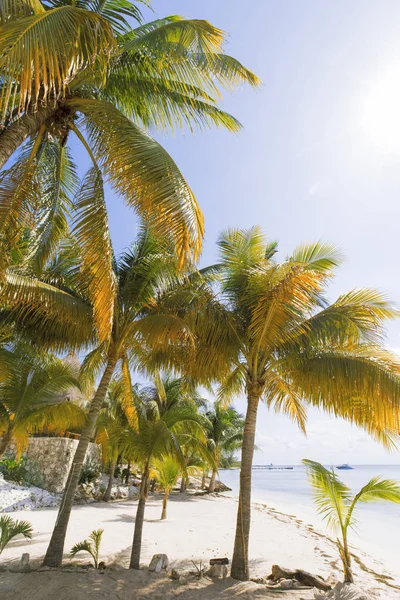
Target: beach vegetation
(166,472)
(278,340)
(337,504)
(91,545)
(11,528)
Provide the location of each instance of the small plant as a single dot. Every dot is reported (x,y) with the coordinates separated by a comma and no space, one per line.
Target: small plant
(91,545)
(9,529)
(90,472)
(336,504)
(13,470)
(199,569)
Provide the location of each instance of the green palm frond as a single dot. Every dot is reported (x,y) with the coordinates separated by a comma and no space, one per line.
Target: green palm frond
(166,471)
(9,529)
(144,174)
(91,545)
(331,496)
(319,256)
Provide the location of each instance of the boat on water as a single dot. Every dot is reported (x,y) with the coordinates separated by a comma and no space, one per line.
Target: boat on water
(344,467)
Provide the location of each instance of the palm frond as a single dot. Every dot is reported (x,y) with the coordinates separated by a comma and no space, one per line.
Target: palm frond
(9,529)
(41,53)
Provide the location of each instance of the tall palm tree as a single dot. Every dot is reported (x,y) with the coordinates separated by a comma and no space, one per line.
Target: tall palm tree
(81,68)
(159,435)
(33,395)
(337,504)
(224,434)
(284,344)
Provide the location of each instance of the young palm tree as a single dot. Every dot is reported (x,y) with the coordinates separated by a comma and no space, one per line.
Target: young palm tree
(159,435)
(166,471)
(112,422)
(80,68)
(9,529)
(32,395)
(337,504)
(224,434)
(91,545)
(284,344)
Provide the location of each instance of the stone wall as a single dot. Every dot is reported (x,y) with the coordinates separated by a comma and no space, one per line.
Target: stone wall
(48,460)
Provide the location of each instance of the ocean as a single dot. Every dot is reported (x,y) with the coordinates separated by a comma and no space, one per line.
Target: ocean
(378,524)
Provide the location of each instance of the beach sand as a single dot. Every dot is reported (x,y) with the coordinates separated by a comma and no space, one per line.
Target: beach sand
(198,528)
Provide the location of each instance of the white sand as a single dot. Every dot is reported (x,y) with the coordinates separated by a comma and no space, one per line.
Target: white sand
(197,528)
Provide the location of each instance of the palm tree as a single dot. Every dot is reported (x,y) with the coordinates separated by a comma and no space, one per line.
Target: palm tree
(112,422)
(91,545)
(80,68)
(337,504)
(224,434)
(33,395)
(159,435)
(9,529)
(276,338)
(166,471)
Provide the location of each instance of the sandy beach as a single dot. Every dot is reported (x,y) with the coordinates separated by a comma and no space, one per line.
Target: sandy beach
(198,528)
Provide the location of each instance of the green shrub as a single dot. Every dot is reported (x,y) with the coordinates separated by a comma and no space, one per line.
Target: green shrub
(90,472)
(14,470)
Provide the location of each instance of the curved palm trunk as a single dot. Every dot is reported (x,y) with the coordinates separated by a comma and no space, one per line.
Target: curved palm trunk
(6,440)
(107,494)
(15,134)
(211,486)
(137,535)
(164,505)
(203,479)
(54,554)
(240,559)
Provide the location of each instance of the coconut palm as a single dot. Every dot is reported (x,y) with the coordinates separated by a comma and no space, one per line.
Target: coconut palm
(112,422)
(158,436)
(224,434)
(9,529)
(80,68)
(91,545)
(336,503)
(166,472)
(34,395)
(284,344)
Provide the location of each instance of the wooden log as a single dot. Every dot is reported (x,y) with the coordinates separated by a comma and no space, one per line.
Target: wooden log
(301,576)
(219,561)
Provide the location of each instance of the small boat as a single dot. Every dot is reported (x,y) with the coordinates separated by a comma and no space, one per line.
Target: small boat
(345,467)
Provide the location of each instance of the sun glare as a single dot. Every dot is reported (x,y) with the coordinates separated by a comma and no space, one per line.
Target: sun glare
(380,111)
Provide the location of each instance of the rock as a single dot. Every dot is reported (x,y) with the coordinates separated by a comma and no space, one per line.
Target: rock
(158,562)
(343,591)
(221,487)
(219,561)
(102,566)
(218,572)
(24,562)
(286,584)
(302,577)
(174,574)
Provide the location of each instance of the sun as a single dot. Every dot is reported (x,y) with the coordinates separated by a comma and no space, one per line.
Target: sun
(380,111)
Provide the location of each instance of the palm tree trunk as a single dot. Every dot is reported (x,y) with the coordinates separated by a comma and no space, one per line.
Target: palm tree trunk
(240,559)
(54,554)
(128,472)
(203,479)
(137,535)
(164,505)
(183,484)
(15,134)
(107,495)
(5,440)
(346,560)
(211,487)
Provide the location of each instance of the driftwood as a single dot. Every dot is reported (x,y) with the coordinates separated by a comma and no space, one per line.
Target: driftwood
(301,576)
(219,561)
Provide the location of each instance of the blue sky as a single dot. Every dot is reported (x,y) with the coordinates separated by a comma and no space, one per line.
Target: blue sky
(318,158)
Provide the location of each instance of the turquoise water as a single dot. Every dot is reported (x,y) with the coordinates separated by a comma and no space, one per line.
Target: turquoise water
(378,524)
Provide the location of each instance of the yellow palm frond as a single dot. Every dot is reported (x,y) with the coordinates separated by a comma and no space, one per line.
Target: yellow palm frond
(41,53)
